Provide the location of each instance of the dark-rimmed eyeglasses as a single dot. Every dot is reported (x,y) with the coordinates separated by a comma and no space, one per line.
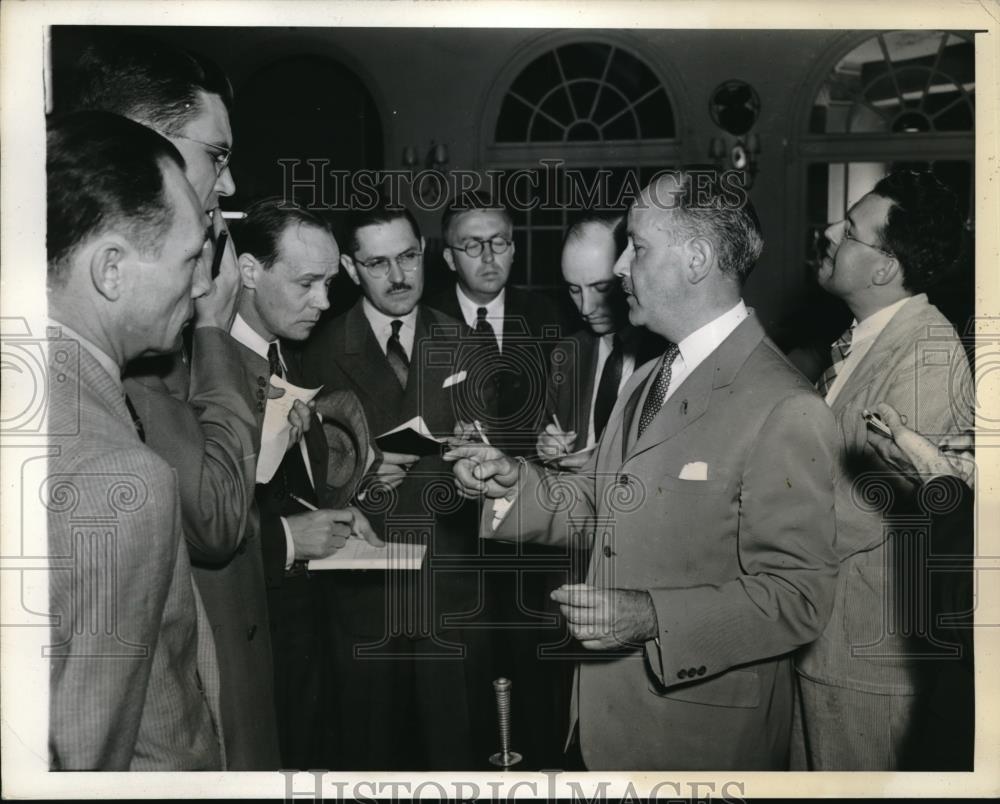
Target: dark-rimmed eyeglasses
(379,267)
(475,246)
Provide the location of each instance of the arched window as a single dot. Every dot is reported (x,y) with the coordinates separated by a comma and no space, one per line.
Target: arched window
(899,99)
(586,123)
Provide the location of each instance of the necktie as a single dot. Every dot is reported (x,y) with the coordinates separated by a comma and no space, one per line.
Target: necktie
(396,354)
(654,400)
(484,329)
(839,351)
(136,421)
(607,388)
(273,360)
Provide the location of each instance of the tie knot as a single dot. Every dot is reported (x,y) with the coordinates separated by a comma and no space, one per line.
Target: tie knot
(396,325)
(481,314)
(670,353)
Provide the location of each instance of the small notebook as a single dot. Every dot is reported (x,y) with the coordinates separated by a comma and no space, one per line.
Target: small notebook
(410,438)
(357,554)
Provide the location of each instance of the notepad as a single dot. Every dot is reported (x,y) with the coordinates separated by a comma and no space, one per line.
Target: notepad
(357,554)
(277,430)
(410,438)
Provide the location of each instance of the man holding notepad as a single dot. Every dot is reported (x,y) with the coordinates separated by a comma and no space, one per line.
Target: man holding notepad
(412,683)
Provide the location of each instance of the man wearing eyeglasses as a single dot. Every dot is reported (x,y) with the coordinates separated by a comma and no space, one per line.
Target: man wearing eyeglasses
(198,420)
(510,322)
(862,682)
(412,688)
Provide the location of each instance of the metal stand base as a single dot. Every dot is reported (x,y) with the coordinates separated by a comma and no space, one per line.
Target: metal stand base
(505,759)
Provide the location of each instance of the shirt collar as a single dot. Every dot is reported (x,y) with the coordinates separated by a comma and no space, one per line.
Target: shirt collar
(470,309)
(251,339)
(380,322)
(876,322)
(103,358)
(705,340)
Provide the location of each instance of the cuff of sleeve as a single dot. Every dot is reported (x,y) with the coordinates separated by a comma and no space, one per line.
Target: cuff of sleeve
(502,505)
(289,544)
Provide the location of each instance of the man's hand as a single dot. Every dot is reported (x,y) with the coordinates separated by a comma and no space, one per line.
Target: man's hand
(482,470)
(217,308)
(317,534)
(574,462)
(394,467)
(916,456)
(299,417)
(554,443)
(603,619)
(362,529)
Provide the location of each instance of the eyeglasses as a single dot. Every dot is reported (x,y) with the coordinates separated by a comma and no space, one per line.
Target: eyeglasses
(498,245)
(849,236)
(221,158)
(379,267)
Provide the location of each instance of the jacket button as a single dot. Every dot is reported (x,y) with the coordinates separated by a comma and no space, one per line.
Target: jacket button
(607,551)
(682,674)
(260,406)
(701,670)
(623,480)
(261,382)
(250,632)
(692,671)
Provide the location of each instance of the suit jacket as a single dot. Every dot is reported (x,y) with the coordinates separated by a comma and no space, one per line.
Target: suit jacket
(573,376)
(513,407)
(212,441)
(917,365)
(115,517)
(740,566)
(344,354)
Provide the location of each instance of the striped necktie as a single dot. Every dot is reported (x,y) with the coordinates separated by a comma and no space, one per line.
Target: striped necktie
(839,351)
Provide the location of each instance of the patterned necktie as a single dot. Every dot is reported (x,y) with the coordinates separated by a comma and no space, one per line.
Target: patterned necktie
(607,388)
(396,354)
(136,421)
(839,352)
(273,360)
(654,400)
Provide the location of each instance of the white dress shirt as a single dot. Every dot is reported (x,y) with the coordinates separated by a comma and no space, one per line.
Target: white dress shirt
(605,344)
(865,333)
(381,325)
(255,342)
(494,312)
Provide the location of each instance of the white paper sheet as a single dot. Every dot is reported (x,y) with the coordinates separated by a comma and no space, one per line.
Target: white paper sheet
(358,554)
(276,431)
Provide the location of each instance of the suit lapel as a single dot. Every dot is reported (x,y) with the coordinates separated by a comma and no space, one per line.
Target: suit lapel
(364,361)
(587,366)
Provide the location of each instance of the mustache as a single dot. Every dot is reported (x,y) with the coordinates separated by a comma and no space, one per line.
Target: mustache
(400,286)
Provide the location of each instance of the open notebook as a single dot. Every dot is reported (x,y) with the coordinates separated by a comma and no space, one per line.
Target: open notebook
(357,554)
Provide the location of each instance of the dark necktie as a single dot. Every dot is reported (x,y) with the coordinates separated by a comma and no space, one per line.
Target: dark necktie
(273,360)
(136,421)
(839,352)
(607,388)
(484,329)
(654,400)
(396,354)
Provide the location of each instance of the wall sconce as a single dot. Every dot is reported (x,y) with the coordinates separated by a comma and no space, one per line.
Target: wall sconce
(735,107)
(429,189)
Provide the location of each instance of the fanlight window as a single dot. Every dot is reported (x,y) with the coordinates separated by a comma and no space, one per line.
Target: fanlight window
(585,92)
(900,82)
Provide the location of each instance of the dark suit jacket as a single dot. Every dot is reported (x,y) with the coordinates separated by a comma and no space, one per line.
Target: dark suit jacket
(512,409)
(737,556)
(345,354)
(212,443)
(128,670)
(573,375)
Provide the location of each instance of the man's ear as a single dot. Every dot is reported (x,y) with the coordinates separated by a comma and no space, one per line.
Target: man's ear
(887,272)
(249,265)
(352,270)
(448,257)
(701,258)
(106,260)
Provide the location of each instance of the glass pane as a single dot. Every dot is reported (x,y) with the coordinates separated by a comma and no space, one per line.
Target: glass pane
(584,60)
(584,94)
(905,77)
(537,78)
(512,124)
(630,75)
(556,106)
(544,130)
(624,127)
(546,249)
(656,118)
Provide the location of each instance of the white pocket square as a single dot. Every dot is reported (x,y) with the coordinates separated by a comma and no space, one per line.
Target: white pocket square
(454,379)
(696,470)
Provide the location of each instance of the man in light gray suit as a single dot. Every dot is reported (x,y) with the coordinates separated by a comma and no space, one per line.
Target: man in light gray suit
(134,679)
(863,684)
(707,505)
